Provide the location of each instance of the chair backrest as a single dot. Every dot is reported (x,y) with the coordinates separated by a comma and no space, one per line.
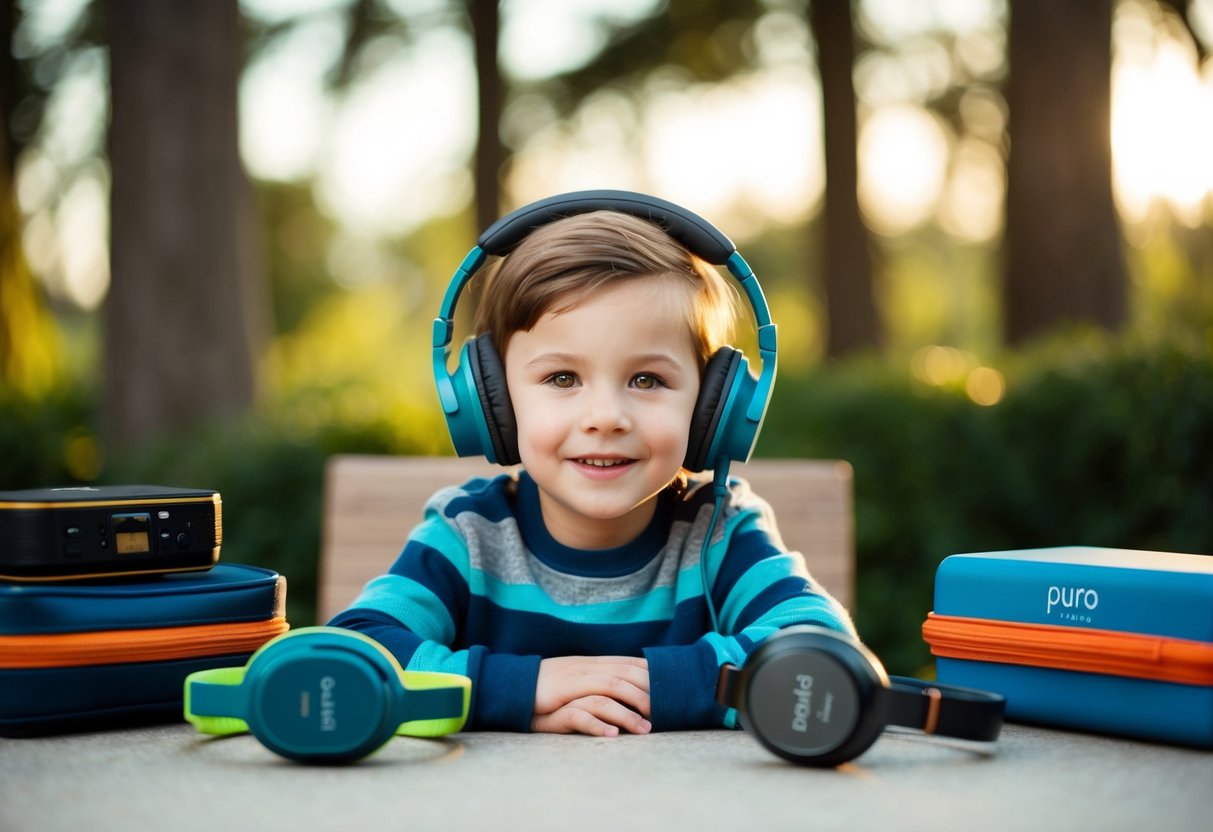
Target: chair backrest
(371,503)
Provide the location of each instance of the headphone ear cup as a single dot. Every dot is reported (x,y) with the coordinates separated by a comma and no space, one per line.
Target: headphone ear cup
(813,696)
(321,697)
(488,371)
(708,417)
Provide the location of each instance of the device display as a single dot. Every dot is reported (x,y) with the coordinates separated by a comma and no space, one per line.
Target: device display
(96,531)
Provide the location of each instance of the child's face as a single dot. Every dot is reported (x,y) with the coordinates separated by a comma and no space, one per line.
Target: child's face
(603,394)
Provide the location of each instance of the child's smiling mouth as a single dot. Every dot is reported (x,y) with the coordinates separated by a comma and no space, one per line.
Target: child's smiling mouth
(597,467)
(602,463)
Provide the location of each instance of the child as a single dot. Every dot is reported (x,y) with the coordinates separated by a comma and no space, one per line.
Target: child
(570,591)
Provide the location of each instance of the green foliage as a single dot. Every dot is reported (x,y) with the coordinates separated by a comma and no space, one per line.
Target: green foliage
(270,474)
(296,239)
(703,40)
(1093,444)
(269,470)
(41,438)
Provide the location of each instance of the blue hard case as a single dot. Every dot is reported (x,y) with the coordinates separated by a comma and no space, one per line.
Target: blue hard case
(147,634)
(1114,641)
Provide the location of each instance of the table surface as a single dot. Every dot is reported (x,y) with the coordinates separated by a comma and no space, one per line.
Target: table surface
(167,777)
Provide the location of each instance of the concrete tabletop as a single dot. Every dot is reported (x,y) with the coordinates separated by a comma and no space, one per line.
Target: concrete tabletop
(168,777)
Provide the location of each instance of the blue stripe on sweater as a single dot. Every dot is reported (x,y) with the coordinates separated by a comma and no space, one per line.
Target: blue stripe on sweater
(760,578)
(480,496)
(528,633)
(747,546)
(439,536)
(778,592)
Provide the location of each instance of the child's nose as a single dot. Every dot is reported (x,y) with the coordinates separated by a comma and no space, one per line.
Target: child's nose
(605,411)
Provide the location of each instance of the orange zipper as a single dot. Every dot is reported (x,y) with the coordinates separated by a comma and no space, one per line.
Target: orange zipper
(1115,653)
(147,645)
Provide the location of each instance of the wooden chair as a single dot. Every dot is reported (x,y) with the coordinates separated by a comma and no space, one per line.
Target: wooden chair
(372,502)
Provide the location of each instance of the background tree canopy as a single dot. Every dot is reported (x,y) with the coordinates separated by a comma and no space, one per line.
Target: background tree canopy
(985,229)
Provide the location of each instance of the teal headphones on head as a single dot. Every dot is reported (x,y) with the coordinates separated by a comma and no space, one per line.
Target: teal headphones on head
(325,695)
(731,404)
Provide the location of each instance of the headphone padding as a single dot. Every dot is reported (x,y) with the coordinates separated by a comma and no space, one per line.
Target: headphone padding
(489,374)
(717,378)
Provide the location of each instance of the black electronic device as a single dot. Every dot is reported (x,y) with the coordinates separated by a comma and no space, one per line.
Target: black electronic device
(818,697)
(56,534)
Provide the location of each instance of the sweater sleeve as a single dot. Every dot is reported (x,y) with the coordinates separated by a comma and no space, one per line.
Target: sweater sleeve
(416,610)
(757,588)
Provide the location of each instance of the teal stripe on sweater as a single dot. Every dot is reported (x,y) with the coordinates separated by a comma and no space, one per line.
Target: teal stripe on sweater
(413,604)
(438,657)
(727,650)
(735,523)
(802,609)
(436,533)
(757,578)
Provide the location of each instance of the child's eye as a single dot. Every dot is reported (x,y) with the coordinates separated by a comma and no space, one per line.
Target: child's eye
(646,381)
(562,381)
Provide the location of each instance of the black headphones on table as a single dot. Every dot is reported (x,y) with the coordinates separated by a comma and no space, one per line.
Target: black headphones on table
(819,698)
(731,404)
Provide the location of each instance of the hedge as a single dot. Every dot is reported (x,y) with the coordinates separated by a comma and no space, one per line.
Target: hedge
(1105,444)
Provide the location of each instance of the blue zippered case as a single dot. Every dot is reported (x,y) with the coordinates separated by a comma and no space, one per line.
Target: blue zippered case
(87,654)
(1114,641)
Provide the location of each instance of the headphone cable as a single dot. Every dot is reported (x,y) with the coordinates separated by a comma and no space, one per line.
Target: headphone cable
(720,489)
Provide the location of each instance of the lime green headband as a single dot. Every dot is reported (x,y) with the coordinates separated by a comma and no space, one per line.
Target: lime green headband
(325,694)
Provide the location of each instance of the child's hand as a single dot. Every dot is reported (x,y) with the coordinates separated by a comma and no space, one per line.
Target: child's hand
(596,695)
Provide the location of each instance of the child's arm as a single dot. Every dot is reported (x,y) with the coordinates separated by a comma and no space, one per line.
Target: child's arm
(757,588)
(598,695)
(417,611)
(503,685)
(420,607)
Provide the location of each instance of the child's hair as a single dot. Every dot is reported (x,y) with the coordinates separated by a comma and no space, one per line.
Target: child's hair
(559,263)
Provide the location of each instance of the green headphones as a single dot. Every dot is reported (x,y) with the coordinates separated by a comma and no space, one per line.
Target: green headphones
(327,695)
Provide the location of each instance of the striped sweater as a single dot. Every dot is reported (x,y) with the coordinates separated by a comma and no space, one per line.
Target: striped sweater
(482,589)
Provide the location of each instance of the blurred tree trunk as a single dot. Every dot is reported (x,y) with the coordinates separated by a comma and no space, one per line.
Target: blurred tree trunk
(486,23)
(29,351)
(850,312)
(184,318)
(1183,11)
(1064,261)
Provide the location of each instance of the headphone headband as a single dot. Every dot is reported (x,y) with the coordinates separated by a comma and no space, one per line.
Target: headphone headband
(699,236)
(324,694)
(946,710)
